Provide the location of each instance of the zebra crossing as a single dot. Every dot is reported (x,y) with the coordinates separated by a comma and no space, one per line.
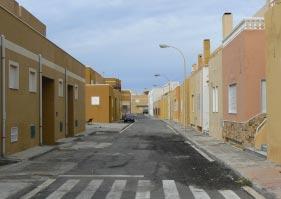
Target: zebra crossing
(144,189)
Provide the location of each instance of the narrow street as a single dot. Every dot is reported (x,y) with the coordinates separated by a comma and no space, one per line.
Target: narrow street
(146,160)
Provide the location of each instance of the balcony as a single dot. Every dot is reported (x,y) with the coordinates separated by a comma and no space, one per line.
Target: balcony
(253,23)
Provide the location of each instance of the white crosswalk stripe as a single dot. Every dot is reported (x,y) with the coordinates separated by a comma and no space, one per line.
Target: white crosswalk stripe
(44,185)
(170,189)
(228,194)
(143,191)
(62,190)
(198,193)
(90,190)
(117,189)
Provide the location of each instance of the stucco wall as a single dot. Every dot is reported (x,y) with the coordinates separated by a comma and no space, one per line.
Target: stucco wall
(244,64)
(215,80)
(25,50)
(273,50)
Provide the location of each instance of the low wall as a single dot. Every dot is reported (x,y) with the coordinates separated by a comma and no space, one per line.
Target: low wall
(242,133)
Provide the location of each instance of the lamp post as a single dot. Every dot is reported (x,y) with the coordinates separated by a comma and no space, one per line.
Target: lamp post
(170,101)
(184,85)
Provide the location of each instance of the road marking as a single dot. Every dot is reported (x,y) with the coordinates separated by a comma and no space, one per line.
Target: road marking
(253,193)
(90,190)
(41,187)
(199,193)
(101,176)
(228,194)
(170,189)
(143,191)
(62,190)
(125,129)
(172,129)
(201,152)
(117,189)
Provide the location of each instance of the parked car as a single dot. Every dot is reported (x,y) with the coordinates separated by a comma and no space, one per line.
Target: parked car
(129,118)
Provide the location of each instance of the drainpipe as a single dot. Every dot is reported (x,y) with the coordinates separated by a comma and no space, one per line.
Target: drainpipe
(3,151)
(40,101)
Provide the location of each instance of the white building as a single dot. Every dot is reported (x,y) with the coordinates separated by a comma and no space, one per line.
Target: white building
(156,93)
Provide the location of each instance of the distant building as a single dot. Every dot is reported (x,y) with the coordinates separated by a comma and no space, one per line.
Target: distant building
(139,104)
(126,100)
(199,91)
(102,98)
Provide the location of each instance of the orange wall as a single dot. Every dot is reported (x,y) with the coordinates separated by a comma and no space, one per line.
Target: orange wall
(243,63)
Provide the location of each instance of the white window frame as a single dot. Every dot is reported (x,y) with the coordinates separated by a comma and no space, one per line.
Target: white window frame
(31,88)
(232,106)
(76,92)
(263,96)
(60,88)
(14,85)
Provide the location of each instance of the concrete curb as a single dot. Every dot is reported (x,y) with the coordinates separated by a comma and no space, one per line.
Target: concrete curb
(257,187)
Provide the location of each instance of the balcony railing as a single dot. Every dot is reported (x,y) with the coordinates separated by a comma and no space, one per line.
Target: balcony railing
(253,23)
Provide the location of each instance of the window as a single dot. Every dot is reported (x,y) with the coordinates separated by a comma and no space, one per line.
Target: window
(76,92)
(60,88)
(32,80)
(215,98)
(95,101)
(232,99)
(13,75)
(263,96)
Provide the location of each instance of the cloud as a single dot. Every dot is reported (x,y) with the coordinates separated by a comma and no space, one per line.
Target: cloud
(121,37)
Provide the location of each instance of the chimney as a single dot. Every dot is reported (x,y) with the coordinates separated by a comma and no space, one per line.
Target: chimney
(200,61)
(227,24)
(207,51)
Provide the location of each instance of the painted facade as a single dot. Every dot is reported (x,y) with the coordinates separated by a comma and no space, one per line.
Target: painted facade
(140,104)
(215,94)
(103,98)
(273,52)
(126,100)
(244,63)
(37,73)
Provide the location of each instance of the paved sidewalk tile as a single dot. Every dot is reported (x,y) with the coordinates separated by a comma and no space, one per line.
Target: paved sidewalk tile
(265,175)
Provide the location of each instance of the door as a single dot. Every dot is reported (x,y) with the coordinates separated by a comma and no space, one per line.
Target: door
(70,110)
(48,111)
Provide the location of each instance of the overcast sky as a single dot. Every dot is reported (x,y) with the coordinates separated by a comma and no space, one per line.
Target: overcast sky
(120,37)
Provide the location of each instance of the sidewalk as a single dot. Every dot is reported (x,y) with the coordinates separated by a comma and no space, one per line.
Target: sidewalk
(41,150)
(264,175)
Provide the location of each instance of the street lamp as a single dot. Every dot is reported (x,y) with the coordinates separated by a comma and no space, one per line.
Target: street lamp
(184,88)
(170,101)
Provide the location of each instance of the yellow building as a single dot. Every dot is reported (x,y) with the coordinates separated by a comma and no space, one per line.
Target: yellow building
(215,94)
(139,104)
(273,49)
(175,104)
(42,93)
(185,114)
(103,98)
(126,99)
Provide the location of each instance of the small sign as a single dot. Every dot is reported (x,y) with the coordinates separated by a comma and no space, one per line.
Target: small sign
(14,134)
(95,101)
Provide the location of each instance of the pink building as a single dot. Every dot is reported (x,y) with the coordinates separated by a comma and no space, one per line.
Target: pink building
(244,83)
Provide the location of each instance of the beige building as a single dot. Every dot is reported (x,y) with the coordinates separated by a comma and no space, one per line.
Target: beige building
(126,100)
(273,51)
(42,87)
(185,103)
(102,98)
(215,94)
(139,104)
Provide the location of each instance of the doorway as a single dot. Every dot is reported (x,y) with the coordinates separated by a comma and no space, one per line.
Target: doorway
(70,110)
(48,111)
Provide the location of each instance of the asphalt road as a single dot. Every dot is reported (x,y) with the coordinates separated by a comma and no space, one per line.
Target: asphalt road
(147,160)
